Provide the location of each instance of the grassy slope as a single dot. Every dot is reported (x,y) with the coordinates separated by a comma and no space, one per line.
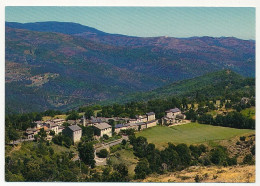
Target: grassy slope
(192,133)
(126,157)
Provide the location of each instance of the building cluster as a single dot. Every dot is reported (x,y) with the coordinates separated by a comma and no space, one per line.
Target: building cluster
(101,125)
(173,116)
(139,123)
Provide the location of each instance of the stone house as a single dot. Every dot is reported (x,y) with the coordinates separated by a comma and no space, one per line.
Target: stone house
(53,126)
(74,132)
(244,101)
(173,116)
(120,127)
(150,116)
(103,128)
(30,132)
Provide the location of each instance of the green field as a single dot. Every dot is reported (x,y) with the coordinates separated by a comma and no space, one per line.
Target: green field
(191,133)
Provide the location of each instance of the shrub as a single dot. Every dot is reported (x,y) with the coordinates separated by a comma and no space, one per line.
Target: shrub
(248,159)
(103,153)
(123,142)
(252,150)
(105,137)
(242,138)
(197,178)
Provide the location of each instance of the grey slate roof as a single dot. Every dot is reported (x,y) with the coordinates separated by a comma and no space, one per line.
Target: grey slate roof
(150,113)
(74,128)
(102,126)
(174,110)
(119,126)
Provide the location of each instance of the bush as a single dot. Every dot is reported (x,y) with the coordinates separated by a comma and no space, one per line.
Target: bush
(242,138)
(252,150)
(248,159)
(197,178)
(218,155)
(103,153)
(206,161)
(105,137)
(123,142)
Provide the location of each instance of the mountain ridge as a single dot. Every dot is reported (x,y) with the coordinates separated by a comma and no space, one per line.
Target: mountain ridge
(47,70)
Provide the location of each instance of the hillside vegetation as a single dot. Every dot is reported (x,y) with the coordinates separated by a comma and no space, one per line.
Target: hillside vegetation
(63,68)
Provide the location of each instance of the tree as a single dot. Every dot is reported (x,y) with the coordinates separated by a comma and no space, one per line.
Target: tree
(248,159)
(103,153)
(105,136)
(218,155)
(142,169)
(52,133)
(123,142)
(67,141)
(13,134)
(86,153)
(89,113)
(140,146)
(123,172)
(73,115)
(184,154)
(42,134)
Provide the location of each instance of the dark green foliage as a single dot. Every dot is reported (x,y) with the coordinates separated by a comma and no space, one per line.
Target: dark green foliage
(41,165)
(123,142)
(195,151)
(61,139)
(52,133)
(184,154)
(248,159)
(205,119)
(140,146)
(103,153)
(197,178)
(11,134)
(73,115)
(105,136)
(218,155)
(86,153)
(87,133)
(242,138)
(231,161)
(191,115)
(89,113)
(232,119)
(67,141)
(142,169)
(252,150)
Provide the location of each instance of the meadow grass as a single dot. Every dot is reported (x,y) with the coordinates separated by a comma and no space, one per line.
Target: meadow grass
(192,133)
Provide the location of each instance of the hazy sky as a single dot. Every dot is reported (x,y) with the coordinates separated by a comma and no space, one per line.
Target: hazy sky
(148,21)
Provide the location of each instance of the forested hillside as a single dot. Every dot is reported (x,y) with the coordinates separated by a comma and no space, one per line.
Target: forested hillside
(66,65)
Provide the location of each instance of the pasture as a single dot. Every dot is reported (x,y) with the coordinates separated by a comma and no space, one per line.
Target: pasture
(192,133)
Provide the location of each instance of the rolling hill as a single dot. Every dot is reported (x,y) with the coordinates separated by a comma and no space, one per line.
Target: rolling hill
(53,65)
(210,85)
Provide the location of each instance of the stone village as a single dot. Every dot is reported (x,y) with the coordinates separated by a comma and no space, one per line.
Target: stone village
(74,131)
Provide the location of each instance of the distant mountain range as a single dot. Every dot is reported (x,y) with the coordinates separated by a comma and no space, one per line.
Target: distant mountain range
(55,65)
